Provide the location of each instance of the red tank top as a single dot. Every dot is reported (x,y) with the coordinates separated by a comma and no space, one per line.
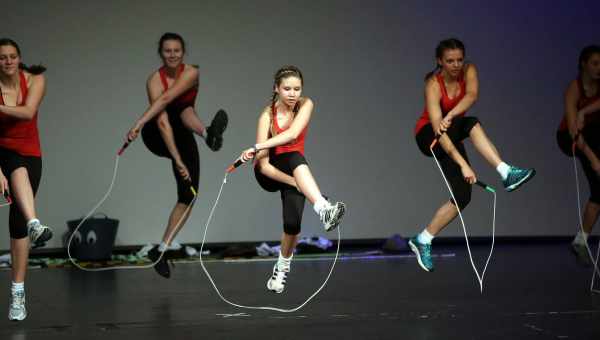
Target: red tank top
(581,103)
(19,135)
(295,145)
(186,99)
(446,104)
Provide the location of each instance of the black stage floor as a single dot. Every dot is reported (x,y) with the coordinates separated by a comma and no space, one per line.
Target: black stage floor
(531,292)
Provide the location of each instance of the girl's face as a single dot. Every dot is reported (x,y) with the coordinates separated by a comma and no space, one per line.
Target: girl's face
(172,53)
(289,90)
(592,66)
(452,62)
(9,60)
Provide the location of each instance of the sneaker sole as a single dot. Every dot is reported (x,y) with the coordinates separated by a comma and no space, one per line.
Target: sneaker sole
(524,180)
(220,122)
(165,274)
(338,218)
(415,250)
(20,318)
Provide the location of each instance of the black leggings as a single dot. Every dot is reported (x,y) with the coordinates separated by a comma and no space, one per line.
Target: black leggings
(591,134)
(458,131)
(9,162)
(291,199)
(188,149)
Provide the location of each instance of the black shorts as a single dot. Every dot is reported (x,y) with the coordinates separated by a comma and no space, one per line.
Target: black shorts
(9,162)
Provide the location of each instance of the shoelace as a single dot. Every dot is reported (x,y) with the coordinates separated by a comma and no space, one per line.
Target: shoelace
(18,300)
(280,275)
(426,249)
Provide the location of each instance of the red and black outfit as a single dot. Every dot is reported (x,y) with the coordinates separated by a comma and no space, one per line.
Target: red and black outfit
(20,148)
(591,135)
(459,130)
(286,158)
(184,139)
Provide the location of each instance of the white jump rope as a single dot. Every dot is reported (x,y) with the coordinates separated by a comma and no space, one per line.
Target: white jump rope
(480,277)
(229,170)
(589,250)
(110,187)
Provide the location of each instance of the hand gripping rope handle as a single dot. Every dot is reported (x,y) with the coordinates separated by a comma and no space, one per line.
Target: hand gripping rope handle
(112,182)
(480,277)
(7,198)
(590,254)
(229,170)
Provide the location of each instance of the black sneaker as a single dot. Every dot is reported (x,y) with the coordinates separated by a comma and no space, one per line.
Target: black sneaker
(162,266)
(214,133)
(39,234)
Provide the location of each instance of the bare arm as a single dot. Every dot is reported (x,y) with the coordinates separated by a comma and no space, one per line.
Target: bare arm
(471,92)
(571,97)
(298,125)
(153,88)
(591,108)
(187,80)
(262,157)
(3,183)
(433,95)
(35,94)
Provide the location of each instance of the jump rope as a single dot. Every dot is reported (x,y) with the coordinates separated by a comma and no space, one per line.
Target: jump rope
(480,277)
(229,170)
(93,210)
(589,250)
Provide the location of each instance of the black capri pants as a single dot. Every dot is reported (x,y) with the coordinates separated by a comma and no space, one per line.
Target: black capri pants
(458,131)
(291,199)
(9,162)
(591,135)
(188,149)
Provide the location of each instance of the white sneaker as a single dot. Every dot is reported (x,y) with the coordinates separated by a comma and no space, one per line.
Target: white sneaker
(39,234)
(17,311)
(276,282)
(332,215)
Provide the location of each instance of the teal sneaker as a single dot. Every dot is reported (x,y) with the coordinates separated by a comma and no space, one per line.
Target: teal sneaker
(517,177)
(423,252)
